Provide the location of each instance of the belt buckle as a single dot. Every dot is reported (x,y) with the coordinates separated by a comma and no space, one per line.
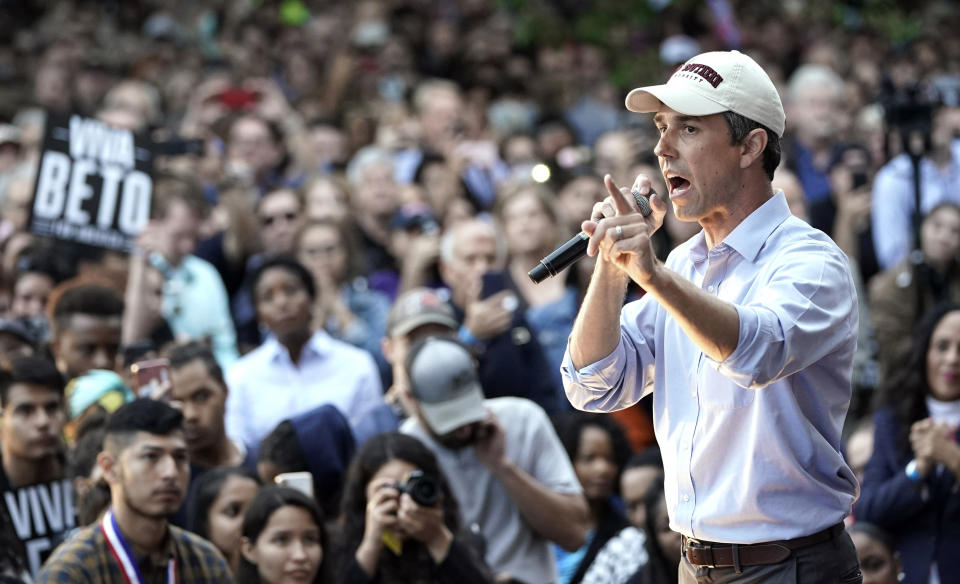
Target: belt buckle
(704,547)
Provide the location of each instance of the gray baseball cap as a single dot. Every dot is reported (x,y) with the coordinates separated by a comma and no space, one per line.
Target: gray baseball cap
(444,381)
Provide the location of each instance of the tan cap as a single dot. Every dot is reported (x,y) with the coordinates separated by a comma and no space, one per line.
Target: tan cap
(416,308)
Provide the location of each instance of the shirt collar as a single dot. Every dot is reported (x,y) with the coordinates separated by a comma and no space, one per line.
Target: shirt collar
(749,236)
(319,345)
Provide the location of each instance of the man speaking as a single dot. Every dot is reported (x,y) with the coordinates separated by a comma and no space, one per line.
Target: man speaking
(747,333)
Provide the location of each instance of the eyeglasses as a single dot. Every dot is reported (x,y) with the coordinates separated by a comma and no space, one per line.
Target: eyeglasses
(269,220)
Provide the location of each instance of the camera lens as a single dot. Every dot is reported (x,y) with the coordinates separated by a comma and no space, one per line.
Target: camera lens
(424,490)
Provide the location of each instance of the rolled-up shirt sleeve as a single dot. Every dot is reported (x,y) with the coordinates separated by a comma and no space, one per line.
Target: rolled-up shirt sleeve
(806,310)
(618,380)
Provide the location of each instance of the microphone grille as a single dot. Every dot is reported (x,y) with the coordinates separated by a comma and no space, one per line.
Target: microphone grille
(643,204)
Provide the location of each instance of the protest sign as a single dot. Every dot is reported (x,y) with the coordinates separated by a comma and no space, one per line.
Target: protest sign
(94,184)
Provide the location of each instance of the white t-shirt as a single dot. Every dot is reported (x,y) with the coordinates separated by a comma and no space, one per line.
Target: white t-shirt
(532,444)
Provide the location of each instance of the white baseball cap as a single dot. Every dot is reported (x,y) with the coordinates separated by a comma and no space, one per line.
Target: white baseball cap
(715,82)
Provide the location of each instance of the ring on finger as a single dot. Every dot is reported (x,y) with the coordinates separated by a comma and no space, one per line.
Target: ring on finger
(619,232)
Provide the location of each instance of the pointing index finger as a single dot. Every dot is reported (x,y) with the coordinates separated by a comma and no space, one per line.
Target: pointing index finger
(620,200)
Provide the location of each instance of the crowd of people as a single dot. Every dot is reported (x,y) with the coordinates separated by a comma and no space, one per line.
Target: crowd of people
(347,198)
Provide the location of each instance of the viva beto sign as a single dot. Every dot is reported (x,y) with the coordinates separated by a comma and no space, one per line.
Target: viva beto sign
(94,183)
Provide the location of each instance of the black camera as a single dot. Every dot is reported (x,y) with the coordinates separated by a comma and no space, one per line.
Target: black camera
(422,488)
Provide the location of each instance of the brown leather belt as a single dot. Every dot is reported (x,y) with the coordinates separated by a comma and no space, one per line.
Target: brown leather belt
(722,555)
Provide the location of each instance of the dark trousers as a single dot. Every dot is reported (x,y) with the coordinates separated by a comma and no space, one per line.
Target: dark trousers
(833,562)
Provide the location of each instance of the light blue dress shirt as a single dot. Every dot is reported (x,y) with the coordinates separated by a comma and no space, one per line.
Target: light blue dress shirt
(894,201)
(266,387)
(195,305)
(751,446)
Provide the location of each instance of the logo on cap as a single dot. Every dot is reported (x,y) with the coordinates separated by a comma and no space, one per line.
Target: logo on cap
(704,71)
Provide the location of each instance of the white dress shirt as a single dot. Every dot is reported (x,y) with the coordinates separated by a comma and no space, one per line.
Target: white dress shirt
(751,446)
(267,388)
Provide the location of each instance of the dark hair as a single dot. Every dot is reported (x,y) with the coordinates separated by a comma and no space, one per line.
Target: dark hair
(659,567)
(263,506)
(377,452)
(143,415)
(89,299)
(838,156)
(206,491)
(38,261)
(570,427)
(183,355)
(170,188)
(83,457)
(875,533)
(649,456)
(282,448)
(291,265)
(740,126)
(905,390)
(33,370)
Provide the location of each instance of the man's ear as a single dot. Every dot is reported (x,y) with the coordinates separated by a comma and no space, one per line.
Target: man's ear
(752,147)
(55,349)
(109,467)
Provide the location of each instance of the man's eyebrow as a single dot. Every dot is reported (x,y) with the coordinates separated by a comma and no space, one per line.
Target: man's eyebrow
(679,118)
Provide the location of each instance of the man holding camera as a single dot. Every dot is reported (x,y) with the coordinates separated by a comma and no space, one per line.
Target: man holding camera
(503,460)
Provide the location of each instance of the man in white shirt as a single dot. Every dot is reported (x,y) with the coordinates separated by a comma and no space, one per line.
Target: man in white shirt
(748,331)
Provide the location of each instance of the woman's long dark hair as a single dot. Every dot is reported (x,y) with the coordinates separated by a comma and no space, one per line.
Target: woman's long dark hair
(263,506)
(905,391)
(570,427)
(207,490)
(659,569)
(414,564)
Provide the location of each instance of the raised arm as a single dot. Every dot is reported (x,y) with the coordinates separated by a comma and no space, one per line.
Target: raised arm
(628,252)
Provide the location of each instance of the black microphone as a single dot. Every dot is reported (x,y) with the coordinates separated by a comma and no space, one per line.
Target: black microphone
(565,255)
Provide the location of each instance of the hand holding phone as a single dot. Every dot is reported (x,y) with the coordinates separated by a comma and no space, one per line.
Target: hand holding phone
(301,481)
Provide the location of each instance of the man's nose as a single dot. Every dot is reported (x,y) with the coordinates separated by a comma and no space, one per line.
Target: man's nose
(168,467)
(664,147)
(190,411)
(101,360)
(42,418)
